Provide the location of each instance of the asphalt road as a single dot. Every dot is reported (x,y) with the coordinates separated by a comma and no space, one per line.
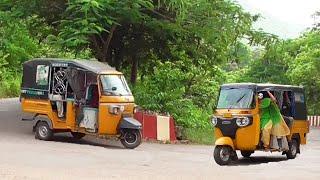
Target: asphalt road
(23,157)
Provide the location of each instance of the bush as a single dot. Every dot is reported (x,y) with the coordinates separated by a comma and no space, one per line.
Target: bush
(181,90)
(10,85)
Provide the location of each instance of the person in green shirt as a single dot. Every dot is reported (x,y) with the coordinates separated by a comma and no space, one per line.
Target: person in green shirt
(271,120)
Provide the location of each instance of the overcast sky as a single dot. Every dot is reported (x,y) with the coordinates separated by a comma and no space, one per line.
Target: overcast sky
(285,18)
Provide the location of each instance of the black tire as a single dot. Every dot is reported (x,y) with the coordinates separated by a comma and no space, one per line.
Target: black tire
(246,154)
(77,135)
(131,138)
(222,155)
(43,131)
(293,149)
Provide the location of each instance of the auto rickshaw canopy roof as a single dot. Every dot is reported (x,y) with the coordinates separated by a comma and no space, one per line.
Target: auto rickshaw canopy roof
(264,87)
(88,65)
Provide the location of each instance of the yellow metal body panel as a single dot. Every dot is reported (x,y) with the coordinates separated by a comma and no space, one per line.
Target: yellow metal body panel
(43,107)
(108,122)
(300,127)
(217,133)
(71,115)
(116,99)
(247,138)
(225,141)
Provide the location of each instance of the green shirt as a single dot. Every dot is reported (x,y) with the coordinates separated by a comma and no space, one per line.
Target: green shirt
(269,111)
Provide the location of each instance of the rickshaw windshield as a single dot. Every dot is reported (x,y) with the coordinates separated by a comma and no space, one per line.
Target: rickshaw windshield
(115,85)
(235,98)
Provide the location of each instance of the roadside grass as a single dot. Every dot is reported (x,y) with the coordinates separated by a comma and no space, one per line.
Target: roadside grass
(10,88)
(199,136)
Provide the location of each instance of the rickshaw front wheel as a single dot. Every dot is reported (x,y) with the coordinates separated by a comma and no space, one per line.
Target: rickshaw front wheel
(43,131)
(293,149)
(131,138)
(246,154)
(222,155)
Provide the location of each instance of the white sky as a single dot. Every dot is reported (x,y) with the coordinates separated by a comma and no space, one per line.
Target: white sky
(286,18)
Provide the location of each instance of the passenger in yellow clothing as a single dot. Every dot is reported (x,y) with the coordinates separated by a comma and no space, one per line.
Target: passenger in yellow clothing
(271,121)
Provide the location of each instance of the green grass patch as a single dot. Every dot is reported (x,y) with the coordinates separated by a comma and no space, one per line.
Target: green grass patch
(10,88)
(199,136)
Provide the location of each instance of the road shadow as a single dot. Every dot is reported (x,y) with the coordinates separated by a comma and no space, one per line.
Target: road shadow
(86,141)
(257,160)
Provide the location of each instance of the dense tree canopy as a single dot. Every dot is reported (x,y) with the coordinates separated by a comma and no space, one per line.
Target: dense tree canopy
(175,53)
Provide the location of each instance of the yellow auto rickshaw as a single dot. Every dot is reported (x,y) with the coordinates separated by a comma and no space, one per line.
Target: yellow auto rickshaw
(83,97)
(236,119)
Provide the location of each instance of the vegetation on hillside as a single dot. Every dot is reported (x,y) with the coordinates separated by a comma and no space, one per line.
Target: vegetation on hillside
(175,53)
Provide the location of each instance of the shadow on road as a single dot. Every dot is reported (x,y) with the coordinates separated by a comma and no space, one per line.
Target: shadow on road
(87,141)
(256,160)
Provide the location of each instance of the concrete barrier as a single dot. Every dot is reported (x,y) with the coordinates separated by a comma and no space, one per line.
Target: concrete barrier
(156,127)
(314,121)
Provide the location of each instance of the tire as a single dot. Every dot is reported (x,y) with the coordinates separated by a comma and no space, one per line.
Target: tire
(131,138)
(43,131)
(77,135)
(222,155)
(293,149)
(246,154)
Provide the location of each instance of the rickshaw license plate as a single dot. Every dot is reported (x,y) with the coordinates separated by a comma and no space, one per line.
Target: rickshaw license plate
(226,122)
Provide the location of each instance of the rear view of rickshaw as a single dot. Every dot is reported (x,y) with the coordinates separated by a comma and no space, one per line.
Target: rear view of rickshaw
(237,120)
(78,96)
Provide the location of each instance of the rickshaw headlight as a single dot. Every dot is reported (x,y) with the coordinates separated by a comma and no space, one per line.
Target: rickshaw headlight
(135,109)
(241,122)
(116,110)
(214,121)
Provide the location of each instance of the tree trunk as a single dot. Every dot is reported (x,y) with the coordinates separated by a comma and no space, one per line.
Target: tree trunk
(106,45)
(134,69)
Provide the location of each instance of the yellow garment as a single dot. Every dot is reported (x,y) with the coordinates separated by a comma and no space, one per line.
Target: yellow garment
(266,133)
(280,129)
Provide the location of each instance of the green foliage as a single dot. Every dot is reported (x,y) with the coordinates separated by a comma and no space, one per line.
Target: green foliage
(176,52)
(9,84)
(304,67)
(181,89)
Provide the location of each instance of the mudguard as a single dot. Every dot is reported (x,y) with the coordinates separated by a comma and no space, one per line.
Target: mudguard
(225,141)
(129,123)
(43,118)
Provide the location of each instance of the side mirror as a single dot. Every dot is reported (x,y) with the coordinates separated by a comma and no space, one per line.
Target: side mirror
(114,88)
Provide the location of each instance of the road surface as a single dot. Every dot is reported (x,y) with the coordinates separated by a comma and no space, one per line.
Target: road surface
(23,157)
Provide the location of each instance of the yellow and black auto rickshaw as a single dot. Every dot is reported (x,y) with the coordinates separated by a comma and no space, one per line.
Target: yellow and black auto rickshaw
(236,119)
(78,96)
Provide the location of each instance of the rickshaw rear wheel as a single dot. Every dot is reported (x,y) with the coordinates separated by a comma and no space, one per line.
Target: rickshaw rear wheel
(222,155)
(77,135)
(131,138)
(293,149)
(43,131)
(246,154)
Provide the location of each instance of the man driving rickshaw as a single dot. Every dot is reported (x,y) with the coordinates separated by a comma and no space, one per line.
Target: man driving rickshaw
(238,120)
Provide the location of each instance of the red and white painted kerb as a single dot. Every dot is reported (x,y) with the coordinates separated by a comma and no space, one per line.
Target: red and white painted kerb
(156,127)
(314,121)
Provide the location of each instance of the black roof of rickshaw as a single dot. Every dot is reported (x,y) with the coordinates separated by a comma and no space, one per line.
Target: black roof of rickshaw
(263,87)
(89,65)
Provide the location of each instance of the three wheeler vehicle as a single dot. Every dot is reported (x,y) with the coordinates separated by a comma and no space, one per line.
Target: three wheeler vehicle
(83,97)
(236,119)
